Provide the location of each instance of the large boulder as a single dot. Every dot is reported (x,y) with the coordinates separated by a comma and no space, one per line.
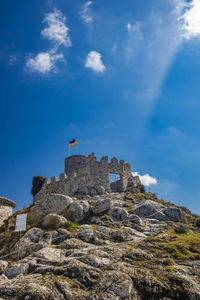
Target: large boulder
(147,208)
(79,210)
(34,234)
(53,221)
(175,214)
(54,203)
(118,213)
(15,270)
(101,206)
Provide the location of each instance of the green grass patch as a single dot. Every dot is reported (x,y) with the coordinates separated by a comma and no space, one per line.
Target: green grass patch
(73,227)
(175,245)
(105,217)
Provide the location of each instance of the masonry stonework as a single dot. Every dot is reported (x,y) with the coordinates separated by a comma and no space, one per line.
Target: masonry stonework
(6,207)
(85,176)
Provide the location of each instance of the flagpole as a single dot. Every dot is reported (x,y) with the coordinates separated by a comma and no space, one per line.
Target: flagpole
(68,150)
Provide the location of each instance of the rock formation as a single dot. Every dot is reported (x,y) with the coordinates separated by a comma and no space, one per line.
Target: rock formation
(110,246)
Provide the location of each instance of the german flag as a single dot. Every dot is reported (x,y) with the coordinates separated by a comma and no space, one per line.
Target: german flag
(72,143)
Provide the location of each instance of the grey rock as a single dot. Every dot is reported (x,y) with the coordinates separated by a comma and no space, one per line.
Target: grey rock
(87,235)
(113,234)
(135,219)
(100,189)
(101,206)
(50,254)
(135,233)
(15,270)
(79,210)
(175,214)
(74,243)
(59,235)
(117,282)
(35,234)
(71,292)
(159,216)
(85,274)
(83,190)
(95,261)
(118,213)
(118,203)
(147,208)
(53,202)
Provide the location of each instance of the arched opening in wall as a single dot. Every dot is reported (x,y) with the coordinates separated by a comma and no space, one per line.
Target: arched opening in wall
(115,182)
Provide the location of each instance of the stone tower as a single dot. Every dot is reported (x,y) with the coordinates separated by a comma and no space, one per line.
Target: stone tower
(6,207)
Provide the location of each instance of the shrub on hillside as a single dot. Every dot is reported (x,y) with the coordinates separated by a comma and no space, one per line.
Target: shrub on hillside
(37,183)
(33,219)
(197,223)
(51,223)
(168,261)
(180,229)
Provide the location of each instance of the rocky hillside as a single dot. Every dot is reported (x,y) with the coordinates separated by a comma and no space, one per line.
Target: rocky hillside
(114,246)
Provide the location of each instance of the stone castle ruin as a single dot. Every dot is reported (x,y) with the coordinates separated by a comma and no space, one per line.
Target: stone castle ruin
(85,176)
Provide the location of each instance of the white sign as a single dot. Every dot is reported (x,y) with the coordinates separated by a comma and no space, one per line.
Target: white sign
(21,222)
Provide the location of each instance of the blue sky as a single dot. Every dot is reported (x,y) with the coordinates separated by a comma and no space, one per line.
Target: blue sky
(122,77)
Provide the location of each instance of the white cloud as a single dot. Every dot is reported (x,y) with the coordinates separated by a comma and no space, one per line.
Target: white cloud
(57,31)
(146,179)
(135,28)
(44,62)
(190,20)
(85,12)
(94,62)
(12,59)
(128,26)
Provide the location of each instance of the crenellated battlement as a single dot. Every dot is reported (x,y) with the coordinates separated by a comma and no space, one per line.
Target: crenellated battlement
(84,174)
